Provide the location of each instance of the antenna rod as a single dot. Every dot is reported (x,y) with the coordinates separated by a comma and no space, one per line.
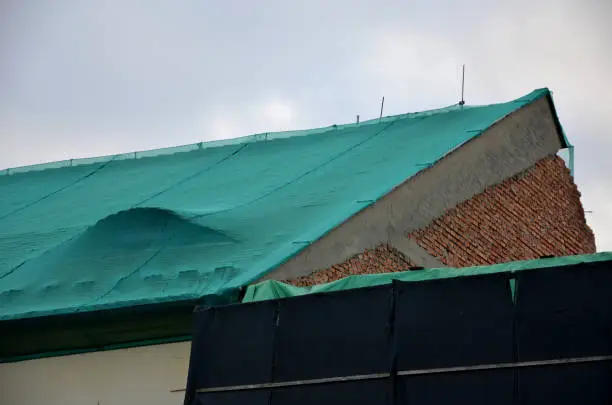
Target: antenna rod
(462,102)
(382,105)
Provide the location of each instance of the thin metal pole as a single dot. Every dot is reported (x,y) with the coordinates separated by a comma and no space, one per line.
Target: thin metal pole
(462,102)
(521,364)
(378,376)
(382,105)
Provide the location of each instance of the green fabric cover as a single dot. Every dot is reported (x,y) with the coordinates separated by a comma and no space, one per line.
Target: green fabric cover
(205,219)
(271,289)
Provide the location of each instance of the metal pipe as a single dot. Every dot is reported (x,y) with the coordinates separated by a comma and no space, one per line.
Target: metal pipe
(378,376)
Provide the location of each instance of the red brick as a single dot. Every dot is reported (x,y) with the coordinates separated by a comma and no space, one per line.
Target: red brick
(382,259)
(533,214)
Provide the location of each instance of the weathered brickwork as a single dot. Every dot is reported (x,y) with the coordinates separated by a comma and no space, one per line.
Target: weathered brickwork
(536,213)
(382,259)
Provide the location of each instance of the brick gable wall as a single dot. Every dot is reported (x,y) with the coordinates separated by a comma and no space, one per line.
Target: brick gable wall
(535,213)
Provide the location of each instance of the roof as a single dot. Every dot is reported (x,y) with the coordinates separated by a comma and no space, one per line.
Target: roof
(272,289)
(205,219)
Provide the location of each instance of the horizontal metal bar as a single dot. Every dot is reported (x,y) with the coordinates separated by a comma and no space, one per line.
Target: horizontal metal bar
(282,384)
(521,364)
(378,376)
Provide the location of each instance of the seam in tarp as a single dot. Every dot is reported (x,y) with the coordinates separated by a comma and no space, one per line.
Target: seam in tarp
(309,171)
(59,190)
(192,176)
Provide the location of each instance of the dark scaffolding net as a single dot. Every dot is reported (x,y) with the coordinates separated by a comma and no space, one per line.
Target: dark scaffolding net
(531,337)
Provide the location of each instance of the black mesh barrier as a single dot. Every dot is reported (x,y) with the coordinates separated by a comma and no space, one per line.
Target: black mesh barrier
(459,340)
(565,312)
(454,322)
(474,388)
(232,346)
(330,335)
(589,383)
(233,398)
(351,393)
(346,393)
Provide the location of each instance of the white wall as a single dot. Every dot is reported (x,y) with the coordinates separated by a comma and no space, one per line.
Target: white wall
(143,375)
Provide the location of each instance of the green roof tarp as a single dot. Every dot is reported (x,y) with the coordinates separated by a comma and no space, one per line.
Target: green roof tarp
(271,289)
(206,219)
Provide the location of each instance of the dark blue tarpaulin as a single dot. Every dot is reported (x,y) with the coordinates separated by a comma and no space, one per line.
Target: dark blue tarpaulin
(476,340)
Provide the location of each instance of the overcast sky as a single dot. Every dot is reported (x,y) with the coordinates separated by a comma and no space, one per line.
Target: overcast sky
(87,78)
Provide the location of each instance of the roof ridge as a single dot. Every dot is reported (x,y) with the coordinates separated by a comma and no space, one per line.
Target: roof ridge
(257,137)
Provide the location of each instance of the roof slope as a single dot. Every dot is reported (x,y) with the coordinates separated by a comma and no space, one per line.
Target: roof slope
(169,226)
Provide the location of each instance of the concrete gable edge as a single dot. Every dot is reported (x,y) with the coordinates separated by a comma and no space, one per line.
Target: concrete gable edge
(510,146)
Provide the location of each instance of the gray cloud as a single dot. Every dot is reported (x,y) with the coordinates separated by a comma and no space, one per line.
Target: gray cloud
(85,78)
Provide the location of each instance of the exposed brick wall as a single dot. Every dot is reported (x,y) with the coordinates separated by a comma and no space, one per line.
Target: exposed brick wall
(533,214)
(382,259)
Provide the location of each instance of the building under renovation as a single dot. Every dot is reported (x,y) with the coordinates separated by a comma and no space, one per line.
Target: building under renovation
(103,260)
